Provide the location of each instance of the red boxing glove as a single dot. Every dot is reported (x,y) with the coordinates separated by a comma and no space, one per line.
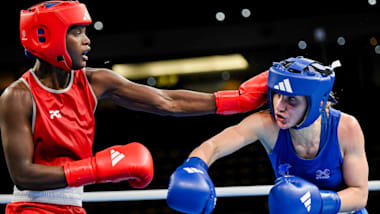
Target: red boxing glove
(132,162)
(251,95)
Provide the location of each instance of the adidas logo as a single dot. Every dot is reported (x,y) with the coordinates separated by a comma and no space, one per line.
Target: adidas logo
(192,170)
(284,86)
(116,157)
(306,200)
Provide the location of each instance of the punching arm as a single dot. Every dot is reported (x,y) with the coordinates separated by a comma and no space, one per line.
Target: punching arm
(108,84)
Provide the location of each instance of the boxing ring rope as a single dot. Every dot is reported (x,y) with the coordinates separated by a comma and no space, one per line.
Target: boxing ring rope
(160,194)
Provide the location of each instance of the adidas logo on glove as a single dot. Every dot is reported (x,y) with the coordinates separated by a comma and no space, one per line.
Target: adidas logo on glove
(306,200)
(192,170)
(116,156)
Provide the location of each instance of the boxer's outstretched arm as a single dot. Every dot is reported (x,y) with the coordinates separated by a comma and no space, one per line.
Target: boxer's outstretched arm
(255,127)
(108,84)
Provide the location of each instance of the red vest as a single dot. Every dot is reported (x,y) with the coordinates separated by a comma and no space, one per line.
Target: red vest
(63,122)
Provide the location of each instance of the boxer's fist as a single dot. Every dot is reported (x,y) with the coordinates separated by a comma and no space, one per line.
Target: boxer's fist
(191,189)
(132,162)
(251,95)
(292,194)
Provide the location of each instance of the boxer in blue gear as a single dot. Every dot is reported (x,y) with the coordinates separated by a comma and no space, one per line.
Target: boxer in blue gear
(326,174)
(321,148)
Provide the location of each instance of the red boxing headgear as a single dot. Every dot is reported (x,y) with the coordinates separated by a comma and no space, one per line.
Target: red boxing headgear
(43,29)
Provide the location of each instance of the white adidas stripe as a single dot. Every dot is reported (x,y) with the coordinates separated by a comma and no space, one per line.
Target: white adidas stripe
(116,157)
(284,86)
(192,170)
(306,200)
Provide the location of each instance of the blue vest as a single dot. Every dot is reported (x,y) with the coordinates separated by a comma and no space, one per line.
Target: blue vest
(325,170)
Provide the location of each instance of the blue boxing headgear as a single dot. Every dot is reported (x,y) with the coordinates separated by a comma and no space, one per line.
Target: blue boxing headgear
(302,77)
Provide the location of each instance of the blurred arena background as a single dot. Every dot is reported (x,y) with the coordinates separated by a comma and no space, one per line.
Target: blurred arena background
(207,46)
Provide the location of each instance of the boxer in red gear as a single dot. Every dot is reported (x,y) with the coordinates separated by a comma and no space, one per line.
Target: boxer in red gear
(47,116)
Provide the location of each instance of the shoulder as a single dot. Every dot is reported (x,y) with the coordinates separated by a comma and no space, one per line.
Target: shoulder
(260,119)
(17,90)
(348,124)
(263,126)
(350,134)
(104,80)
(97,74)
(16,99)
(105,76)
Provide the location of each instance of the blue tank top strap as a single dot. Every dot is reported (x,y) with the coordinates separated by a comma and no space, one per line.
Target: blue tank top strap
(324,130)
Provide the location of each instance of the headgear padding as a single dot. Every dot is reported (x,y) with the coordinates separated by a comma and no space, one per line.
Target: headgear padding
(43,29)
(302,77)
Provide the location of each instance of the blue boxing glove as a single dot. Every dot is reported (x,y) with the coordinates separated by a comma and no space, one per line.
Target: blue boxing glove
(292,194)
(191,189)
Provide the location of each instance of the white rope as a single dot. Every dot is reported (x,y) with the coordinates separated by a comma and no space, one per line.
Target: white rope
(160,194)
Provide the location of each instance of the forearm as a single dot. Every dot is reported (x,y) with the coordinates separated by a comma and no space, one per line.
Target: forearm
(177,103)
(222,144)
(353,198)
(39,177)
(188,103)
(25,174)
(205,152)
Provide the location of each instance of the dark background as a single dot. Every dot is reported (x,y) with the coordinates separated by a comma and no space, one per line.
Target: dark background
(143,31)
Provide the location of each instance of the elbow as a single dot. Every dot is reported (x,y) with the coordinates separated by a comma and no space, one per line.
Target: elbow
(363,202)
(20,187)
(167,107)
(20,182)
(173,105)
(22,179)
(365,192)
